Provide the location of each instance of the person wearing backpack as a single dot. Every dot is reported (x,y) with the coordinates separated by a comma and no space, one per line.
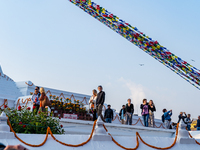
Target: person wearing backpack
(167,116)
(145,112)
(163,118)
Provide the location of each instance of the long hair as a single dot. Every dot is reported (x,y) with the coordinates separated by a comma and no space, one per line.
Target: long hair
(152,102)
(42,90)
(95,92)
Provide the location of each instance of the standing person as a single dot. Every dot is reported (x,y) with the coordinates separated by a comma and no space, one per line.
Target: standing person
(92,103)
(167,116)
(151,114)
(122,114)
(108,115)
(145,112)
(44,100)
(129,112)
(100,101)
(182,117)
(189,122)
(35,98)
(198,123)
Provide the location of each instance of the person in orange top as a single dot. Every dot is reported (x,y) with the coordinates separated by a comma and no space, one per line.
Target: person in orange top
(44,100)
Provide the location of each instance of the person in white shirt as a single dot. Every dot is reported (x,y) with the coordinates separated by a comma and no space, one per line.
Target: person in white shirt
(92,103)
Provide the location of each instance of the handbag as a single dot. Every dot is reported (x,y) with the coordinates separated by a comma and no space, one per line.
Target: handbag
(46,102)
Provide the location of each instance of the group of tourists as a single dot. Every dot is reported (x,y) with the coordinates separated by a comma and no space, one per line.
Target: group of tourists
(40,100)
(96,104)
(186,118)
(126,113)
(147,112)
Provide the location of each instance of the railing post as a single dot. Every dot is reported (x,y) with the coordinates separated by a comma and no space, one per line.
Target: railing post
(100,133)
(183,135)
(4,128)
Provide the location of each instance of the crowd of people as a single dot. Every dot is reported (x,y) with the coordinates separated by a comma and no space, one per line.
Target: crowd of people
(126,113)
(96,104)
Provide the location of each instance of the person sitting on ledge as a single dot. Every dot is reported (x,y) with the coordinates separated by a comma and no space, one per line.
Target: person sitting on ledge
(173,125)
(35,98)
(189,122)
(108,116)
(198,123)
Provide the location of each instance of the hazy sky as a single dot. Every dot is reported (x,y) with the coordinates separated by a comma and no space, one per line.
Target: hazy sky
(55,44)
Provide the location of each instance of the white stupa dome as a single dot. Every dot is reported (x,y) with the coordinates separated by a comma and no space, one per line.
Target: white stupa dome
(8,88)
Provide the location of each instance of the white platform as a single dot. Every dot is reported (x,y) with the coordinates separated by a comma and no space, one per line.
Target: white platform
(81,127)
(126,141)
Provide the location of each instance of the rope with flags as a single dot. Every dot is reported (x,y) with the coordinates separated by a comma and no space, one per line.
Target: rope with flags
(147,44)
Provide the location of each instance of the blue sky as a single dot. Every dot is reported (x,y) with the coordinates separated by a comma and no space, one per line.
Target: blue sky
(55,44)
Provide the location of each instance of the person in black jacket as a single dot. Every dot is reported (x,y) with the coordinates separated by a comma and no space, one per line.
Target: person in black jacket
(100,101)
(108,115)
(122,114)
(182,117)
(152,109)
(198,123)
(129,112)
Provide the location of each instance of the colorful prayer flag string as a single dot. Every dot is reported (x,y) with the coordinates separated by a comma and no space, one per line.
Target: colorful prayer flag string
(132,34)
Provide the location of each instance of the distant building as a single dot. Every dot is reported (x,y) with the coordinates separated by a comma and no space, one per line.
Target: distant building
(12,91)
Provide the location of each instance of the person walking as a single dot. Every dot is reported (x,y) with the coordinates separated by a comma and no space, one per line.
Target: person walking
(44,100)
(35,99)
(100,101)
(92,103)
(152,109)
(188,121)
(167,117)
(129,112)
(122,114)
(145,112)
(108,115)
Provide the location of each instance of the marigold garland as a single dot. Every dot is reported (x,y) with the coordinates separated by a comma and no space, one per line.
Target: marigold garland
(72,96)
(4,102)
(77,144)
(192,137)
(29,84)
(25,101)
(48,129)
(138,136)
(137,139)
